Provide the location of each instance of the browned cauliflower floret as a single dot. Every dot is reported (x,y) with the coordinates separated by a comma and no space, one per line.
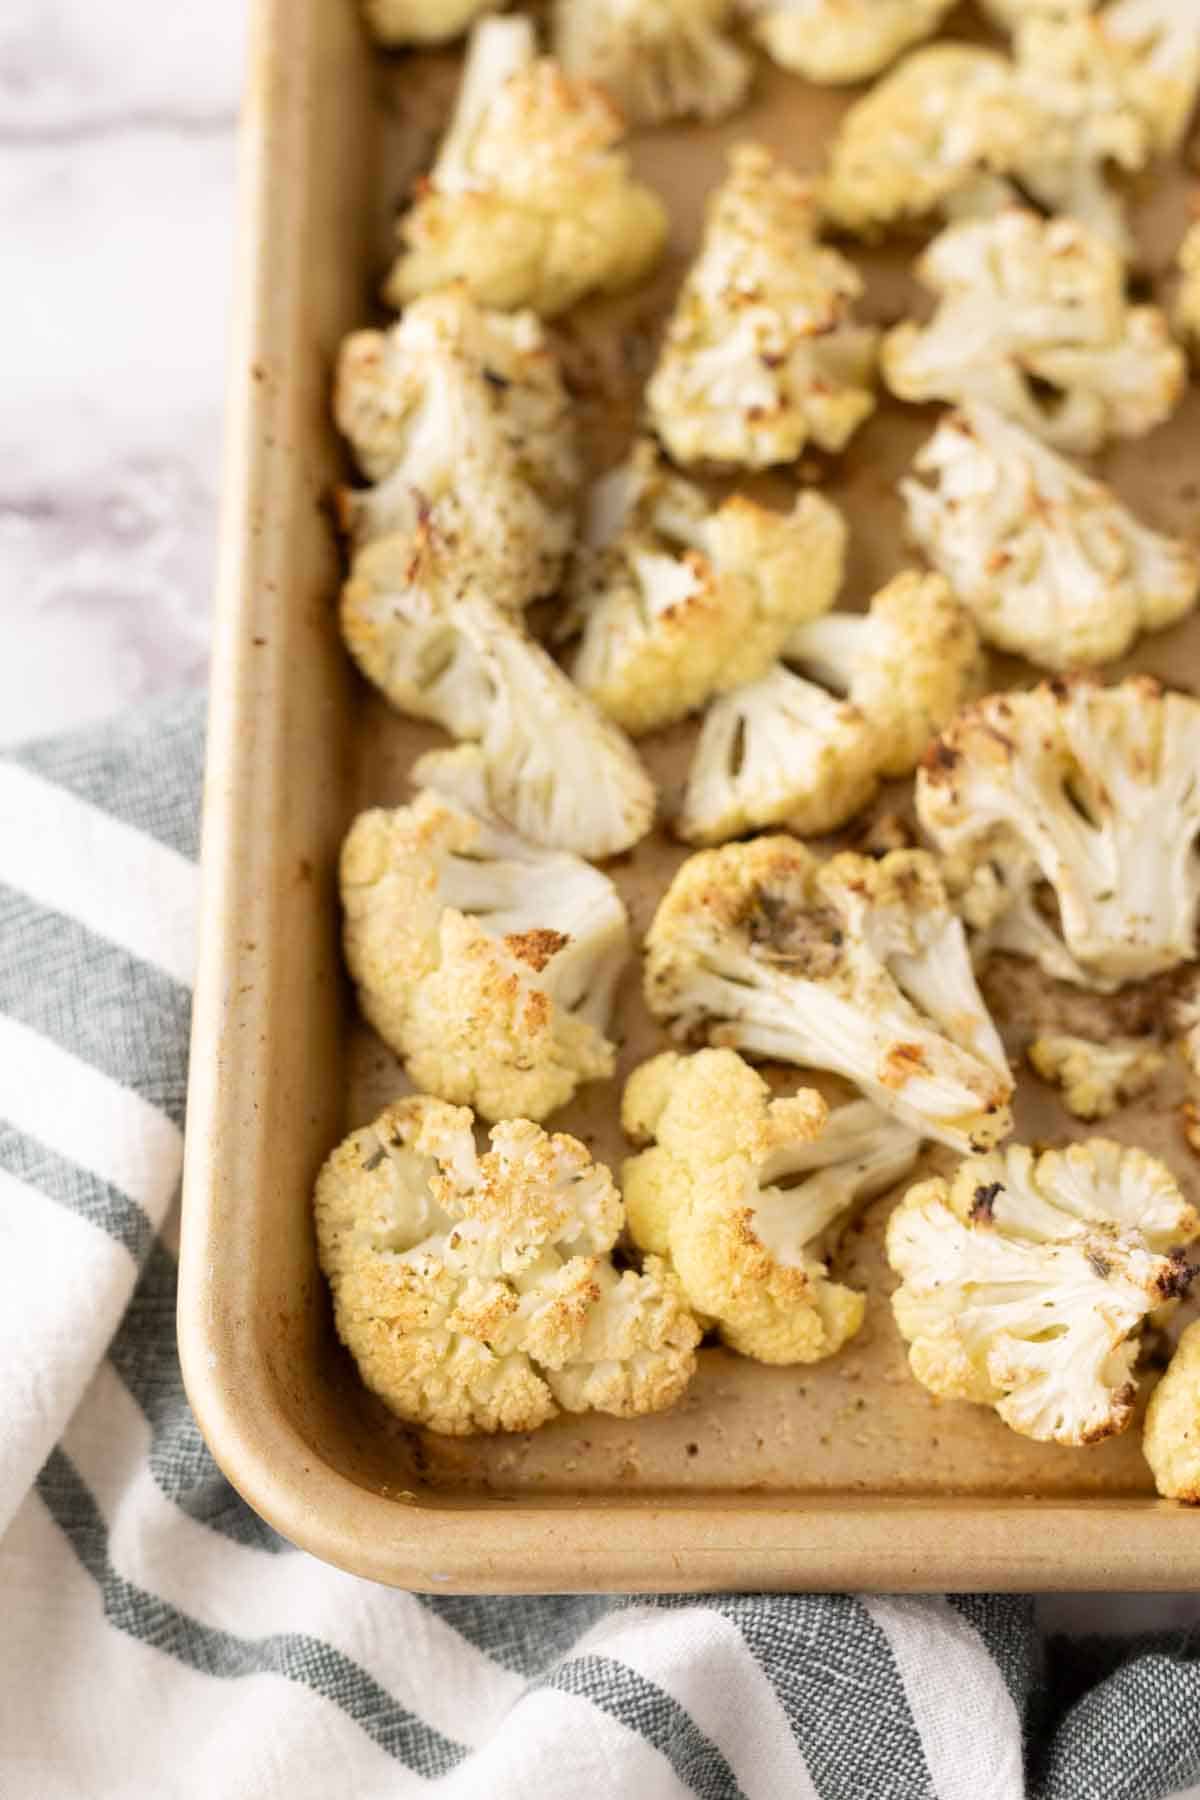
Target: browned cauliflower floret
(945,119)
(396,22)
(678,600)
(745,1196)
(460,419)
(477,1293)
(908,663)
(1048,560)
(659,59)
(1096,1078)
(860,697)
(851,965)
(1171,1439)
(528,203)
(549,761)
(841,40)
(487,964)
(762,353)
(1026,1282)
(1027,303)
(1092,790)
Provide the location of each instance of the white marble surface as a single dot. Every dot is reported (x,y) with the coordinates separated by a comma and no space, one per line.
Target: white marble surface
(117,129)
(117,151)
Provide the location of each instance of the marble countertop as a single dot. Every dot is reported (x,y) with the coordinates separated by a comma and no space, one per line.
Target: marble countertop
(117,150)
(117,154)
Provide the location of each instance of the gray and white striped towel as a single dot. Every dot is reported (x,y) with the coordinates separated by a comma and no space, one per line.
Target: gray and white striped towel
(156,1639)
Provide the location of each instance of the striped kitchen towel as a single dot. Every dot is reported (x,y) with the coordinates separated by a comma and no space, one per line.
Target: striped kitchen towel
(156,1639)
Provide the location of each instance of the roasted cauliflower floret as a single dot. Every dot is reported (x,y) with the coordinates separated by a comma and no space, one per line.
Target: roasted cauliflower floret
(1026,1280)
(946,118)
(677,600)
(778,751)
(744,1197)
(476,1292)
(396,22)
(1096,1078)
(659,59)
(851,965)
(1011,13)
(1186,313)
(1171,1437)
(762,354)
(908,663)
(1092,790)
(399,614)
(460,419)
(487,963)
(550,762)
(1024,301)
(806,744)
(841,40)
(1049,561)
(528,203)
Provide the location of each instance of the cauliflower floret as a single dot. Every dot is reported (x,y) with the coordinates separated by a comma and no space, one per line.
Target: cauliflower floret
(908,664)
(761,353)
(1096,1078)
(851,965)
(1171,1436)
(1092,790)
(488,964)
(1048,560)
(396,22)
(1186,313)
(460,418)
(744,1197)
(398,615)
(477,1293)
(1026,1281)
(778,751)
(945,118)
(678,601)
(659,59)
(528,203)
(783,751)
(841,40)
(550,762)
(1022,300)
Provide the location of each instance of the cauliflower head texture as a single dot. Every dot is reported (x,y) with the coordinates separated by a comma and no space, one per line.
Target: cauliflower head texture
(1024,301)
(488,964)
(550,762)
(1049,561)
(842,40)
(945,118)
(659,59)
(762,354)
(528,202)
(851,965)
(396,22)
(1096,1078)
(459,418)
(1171,1437)
(1026,1281)
(477,1292)
(908,663)
(677,600)
(1092,790)
(744,1196)
(1011,13)
(853,699)
(779,751)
